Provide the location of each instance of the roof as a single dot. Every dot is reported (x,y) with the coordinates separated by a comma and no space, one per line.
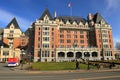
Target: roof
(98,18)
(46,12)
(72,19)
(1,31)
(14,22)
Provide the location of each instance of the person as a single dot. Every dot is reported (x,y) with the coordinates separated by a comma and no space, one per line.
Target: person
(98,66)
(21,63)
(110,66)
(77,64)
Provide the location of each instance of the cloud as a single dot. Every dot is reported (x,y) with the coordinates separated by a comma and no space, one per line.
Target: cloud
(6,17)
(115,40)
(112,4)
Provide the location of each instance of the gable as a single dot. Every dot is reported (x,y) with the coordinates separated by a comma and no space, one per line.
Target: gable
(13,24)
(46,14)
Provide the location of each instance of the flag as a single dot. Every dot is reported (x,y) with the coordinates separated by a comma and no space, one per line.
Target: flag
(69,5)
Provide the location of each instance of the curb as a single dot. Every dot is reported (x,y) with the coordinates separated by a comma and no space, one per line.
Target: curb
(70,71)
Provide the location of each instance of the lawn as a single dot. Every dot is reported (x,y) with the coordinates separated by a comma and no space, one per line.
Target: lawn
(58,66)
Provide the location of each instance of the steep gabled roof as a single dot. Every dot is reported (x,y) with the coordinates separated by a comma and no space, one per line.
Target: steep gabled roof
(72,19)
(14,22)
(46,12)
(98,18)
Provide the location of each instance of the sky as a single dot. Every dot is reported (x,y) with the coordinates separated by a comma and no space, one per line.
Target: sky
(27,11)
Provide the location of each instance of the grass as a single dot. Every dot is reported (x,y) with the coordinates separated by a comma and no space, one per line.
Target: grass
(58,66)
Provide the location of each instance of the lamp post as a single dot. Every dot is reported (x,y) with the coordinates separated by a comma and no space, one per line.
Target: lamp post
(87,55)
(74,45)
(22,52)
(29,56)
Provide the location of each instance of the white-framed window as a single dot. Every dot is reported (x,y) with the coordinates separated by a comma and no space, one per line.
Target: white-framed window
(45,38)
(45,45)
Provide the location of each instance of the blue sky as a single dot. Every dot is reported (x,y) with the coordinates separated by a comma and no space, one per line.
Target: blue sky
(27,11)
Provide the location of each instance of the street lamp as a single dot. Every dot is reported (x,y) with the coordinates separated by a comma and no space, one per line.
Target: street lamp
(29,56)
(21,62)
(87,55)
(22,53)
(74,45)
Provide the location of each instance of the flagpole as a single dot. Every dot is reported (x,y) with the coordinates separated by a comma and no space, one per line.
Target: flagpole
(71,11)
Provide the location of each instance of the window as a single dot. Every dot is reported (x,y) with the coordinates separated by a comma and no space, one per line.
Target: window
(105,40)
(68,36)
(52,54)
(81,32)
(10,35)
(61,41)
(75,32)
(45,33)
(45,28)
(68,41)
(105,46)
(68,31)
(81,36)
(75,41)
(75,36)
(61,36)
(81,41)
(38,38)
(39,54)
(38,45)
(45,38)
(61,31)
(104,35)
(52,45)
(45,53)
(52,33)
(52,38)
(11,31)
(52,29)
(45,45)
(5,53)
(38,33)
(10,43)
(23,43)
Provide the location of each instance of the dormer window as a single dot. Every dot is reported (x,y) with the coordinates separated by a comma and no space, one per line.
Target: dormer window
(46,19)
(12,26)
(102,21)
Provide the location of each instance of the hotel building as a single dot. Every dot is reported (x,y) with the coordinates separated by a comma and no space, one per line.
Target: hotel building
(13,40)
(67,38)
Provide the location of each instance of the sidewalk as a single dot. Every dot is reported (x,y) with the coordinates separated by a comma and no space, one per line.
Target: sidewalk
(25,66)
(70,71)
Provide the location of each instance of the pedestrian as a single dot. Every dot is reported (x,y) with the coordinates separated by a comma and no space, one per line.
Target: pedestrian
(77,64)
(98,66)
(110,66)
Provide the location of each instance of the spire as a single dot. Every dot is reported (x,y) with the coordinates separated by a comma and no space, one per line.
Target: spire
(46,12)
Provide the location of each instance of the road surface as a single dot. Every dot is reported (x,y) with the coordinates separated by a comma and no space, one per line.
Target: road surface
(9,74)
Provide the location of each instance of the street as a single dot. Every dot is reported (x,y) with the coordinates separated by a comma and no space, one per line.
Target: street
(58,75)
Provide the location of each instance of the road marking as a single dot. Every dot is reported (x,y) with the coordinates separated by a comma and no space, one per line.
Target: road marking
(94,78)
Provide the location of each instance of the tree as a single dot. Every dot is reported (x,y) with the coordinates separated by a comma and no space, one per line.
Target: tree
(117,46)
